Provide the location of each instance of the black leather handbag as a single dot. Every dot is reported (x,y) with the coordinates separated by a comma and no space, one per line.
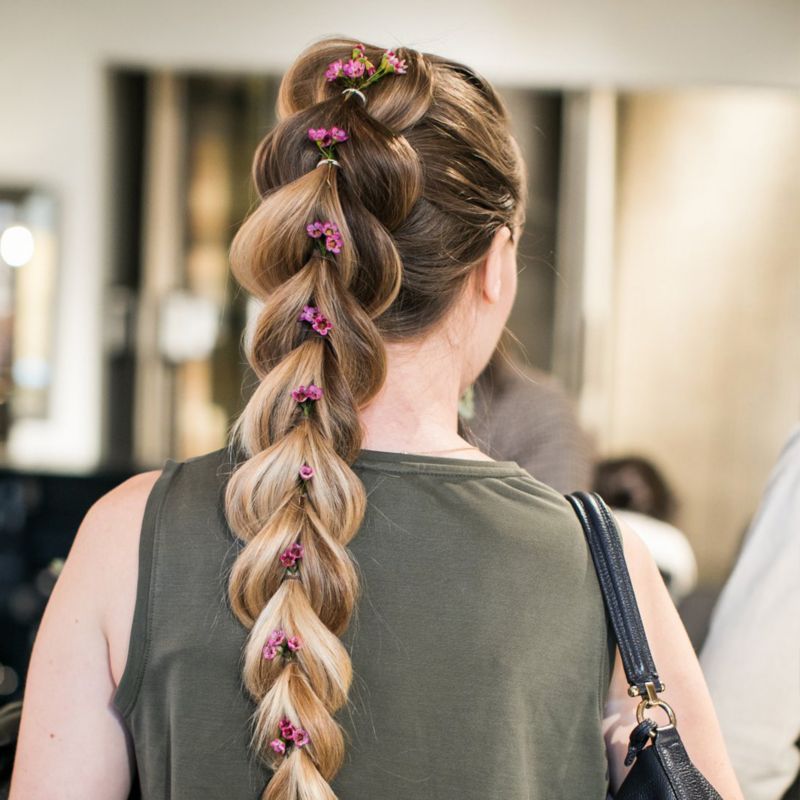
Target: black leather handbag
(662,768)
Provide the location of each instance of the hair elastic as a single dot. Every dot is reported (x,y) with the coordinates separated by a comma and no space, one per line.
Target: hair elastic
(291,576)
(332,161)
(351,90)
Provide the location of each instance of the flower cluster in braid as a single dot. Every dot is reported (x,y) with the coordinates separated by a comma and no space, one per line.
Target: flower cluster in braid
(295,502)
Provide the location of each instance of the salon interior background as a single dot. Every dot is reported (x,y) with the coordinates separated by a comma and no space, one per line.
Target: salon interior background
(664,285)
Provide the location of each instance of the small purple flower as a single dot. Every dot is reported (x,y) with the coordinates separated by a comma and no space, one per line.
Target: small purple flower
(334,70)
(361,72)
(294,644)
(306,395)
(291,555)
(333,239)
(353,69)
(278,746)
(277,637)
(393,63)
(301,737)
(308,314)
(269,651)
(287,729)
(314,231)
(300,394)
(326,140)
(321,324)
(330,230)
(306,472)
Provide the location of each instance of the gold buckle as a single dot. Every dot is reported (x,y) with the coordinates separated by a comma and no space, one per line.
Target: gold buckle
(651,701)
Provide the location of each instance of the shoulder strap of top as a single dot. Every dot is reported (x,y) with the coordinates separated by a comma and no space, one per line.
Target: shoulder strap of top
(138,647)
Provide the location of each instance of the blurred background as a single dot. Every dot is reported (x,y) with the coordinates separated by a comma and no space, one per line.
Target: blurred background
(660,283)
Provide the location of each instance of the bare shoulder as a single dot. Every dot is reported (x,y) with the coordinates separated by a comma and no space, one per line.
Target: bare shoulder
(78,655)
(126,500)
(106,549)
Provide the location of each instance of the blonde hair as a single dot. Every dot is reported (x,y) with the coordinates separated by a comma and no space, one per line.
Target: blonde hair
(428,175)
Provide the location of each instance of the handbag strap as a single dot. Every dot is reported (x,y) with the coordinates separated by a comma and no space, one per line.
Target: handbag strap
(605,544)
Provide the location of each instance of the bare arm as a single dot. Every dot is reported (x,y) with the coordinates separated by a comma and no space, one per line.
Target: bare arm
(686,691)
(72,743)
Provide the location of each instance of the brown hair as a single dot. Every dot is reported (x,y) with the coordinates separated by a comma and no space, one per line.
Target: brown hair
(429,174)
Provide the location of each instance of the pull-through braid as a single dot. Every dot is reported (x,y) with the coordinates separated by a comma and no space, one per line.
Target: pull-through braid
(269,506)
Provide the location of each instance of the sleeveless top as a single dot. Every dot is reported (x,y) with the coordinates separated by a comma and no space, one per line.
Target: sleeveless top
(481,649)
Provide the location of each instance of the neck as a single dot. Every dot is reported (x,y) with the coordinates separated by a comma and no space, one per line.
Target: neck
(416,409)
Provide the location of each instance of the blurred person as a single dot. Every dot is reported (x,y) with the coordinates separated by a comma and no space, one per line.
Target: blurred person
(639,494)
(523,414)
(751,657)
(384,249)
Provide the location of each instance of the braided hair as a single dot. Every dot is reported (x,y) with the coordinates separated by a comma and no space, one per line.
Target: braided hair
(426,176)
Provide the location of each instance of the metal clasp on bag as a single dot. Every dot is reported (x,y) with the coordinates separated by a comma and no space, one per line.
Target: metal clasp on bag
(652,700)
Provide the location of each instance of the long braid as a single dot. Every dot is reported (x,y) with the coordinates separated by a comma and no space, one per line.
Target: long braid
(294,665)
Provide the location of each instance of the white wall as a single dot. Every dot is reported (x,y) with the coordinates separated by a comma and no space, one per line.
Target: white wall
(705,365)
(53,125)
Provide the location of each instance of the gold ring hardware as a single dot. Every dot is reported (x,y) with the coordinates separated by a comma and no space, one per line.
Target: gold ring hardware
(651,701)
(633,690)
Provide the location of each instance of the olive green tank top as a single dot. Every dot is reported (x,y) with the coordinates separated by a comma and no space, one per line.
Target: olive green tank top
(480,646)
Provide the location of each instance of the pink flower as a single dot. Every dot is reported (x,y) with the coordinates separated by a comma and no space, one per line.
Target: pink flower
(393,63)
(317,134)
(300,394)
(277,637)
(287,729)
(339,134)
(308,313)
(269,652)
(321,324)
(301,737)
(328,229)
(310,392)
(294,644)
(353,69)
(306,472)
(334,70)
(278,746)
(291,554)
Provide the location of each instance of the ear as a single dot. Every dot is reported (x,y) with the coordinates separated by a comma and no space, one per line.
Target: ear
(492,269)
